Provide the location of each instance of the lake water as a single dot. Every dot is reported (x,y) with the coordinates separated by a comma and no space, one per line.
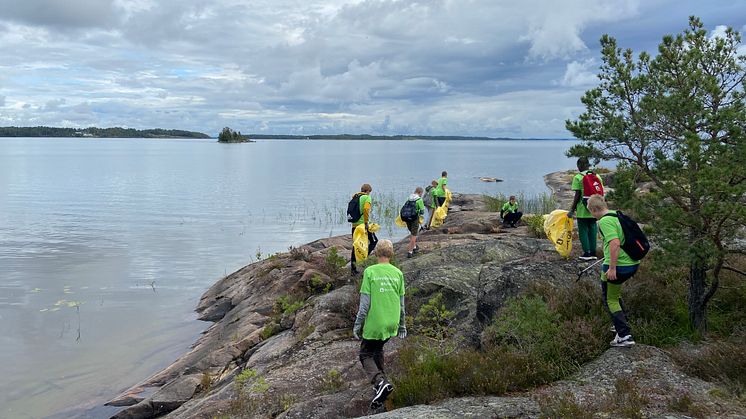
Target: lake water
(106,245)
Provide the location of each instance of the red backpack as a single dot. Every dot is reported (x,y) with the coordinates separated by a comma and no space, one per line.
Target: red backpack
(592,185)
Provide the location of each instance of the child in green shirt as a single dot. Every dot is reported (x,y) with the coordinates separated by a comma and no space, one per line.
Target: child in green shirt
(617,268)
(510,213)
(379,317)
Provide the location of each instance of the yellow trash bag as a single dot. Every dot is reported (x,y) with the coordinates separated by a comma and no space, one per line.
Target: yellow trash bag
(360,240)
(439,216)
(558,228)
(399,222)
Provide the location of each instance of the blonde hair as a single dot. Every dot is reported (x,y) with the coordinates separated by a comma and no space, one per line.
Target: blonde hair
(597,203)
(418,190)
(385,249)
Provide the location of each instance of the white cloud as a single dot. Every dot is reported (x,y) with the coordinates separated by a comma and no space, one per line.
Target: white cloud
(580,73)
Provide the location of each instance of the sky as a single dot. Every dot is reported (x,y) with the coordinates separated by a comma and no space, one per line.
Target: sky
(493,68)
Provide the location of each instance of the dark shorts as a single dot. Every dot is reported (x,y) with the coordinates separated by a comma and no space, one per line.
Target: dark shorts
(441,200)
(623,273)
(414,226)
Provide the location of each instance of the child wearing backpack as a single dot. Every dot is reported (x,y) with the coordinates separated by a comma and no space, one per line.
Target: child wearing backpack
(410,213)
(380,316)
(623,240)
(358,212)
(510,213)
(585,184)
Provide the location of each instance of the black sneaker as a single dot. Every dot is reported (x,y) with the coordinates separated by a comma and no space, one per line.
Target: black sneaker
(383,390)
(416,249)
(410,254)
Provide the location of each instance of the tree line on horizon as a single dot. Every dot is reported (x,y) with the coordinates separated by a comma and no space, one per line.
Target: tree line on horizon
(115,132)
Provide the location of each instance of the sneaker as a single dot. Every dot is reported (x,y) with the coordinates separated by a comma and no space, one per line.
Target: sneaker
(622,342)
(514,226)
(587,256)
(383,390)
(354,271)
(410,254)
(416,249)
(612,329)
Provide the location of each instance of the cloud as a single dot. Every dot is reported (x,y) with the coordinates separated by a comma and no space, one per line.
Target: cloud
(580,73)
(2,101)
(469,67)
(55,13)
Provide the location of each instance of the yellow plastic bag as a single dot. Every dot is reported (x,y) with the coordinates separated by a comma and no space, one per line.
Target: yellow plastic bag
(558,228)
(399,222)
(439,216)
(360,240)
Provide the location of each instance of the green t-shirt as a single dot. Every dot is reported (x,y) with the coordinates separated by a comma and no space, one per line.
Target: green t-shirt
(440,191)
(384,283)
(510,208)
(362,200)
(577,185)
(611,229)
(434,201)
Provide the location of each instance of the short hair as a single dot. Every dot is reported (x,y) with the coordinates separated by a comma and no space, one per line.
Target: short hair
(434,182)
(418,190)
(583,163)
(511,197)
(597,203)
(385,249)
(366,188)
(444,173)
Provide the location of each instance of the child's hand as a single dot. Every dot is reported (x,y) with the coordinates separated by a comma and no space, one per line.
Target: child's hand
(402,333)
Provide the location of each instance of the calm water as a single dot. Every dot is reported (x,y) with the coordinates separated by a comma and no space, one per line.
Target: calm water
(106,245)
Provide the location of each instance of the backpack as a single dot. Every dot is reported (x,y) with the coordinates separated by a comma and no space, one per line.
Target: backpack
(592,185)
(353,209)
(636,243)
(428,198)
(408,212)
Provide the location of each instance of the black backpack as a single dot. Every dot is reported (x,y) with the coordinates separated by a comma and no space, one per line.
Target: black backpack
(636,243)
(353,209)
(408,212)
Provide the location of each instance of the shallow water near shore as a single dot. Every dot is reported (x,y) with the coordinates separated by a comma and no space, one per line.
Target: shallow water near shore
(106,245)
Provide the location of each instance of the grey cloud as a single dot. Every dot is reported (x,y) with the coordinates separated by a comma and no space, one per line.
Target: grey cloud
(474,67)
(2,101)
(55,13)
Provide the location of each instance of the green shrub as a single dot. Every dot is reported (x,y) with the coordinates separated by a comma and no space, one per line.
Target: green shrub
(434,320)
(332,381)
(535,224)
(334,264)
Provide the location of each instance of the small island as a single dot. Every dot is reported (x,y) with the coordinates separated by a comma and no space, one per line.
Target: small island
(227,135)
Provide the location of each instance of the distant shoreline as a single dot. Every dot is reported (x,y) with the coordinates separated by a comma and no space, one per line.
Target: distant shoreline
(117,132)
(396,137)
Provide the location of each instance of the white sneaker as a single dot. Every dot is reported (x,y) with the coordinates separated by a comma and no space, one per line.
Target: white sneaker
(383,390)
(622,342)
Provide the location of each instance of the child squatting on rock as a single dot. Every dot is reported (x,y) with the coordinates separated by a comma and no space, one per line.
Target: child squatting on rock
(379,317)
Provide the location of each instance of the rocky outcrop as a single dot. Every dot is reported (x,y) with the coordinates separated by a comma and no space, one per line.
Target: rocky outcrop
(640,381)
(289,319)
(471,261)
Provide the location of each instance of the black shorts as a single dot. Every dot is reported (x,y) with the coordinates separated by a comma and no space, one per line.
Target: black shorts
(414,226)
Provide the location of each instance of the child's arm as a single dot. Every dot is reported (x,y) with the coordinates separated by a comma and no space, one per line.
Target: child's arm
(362,313)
